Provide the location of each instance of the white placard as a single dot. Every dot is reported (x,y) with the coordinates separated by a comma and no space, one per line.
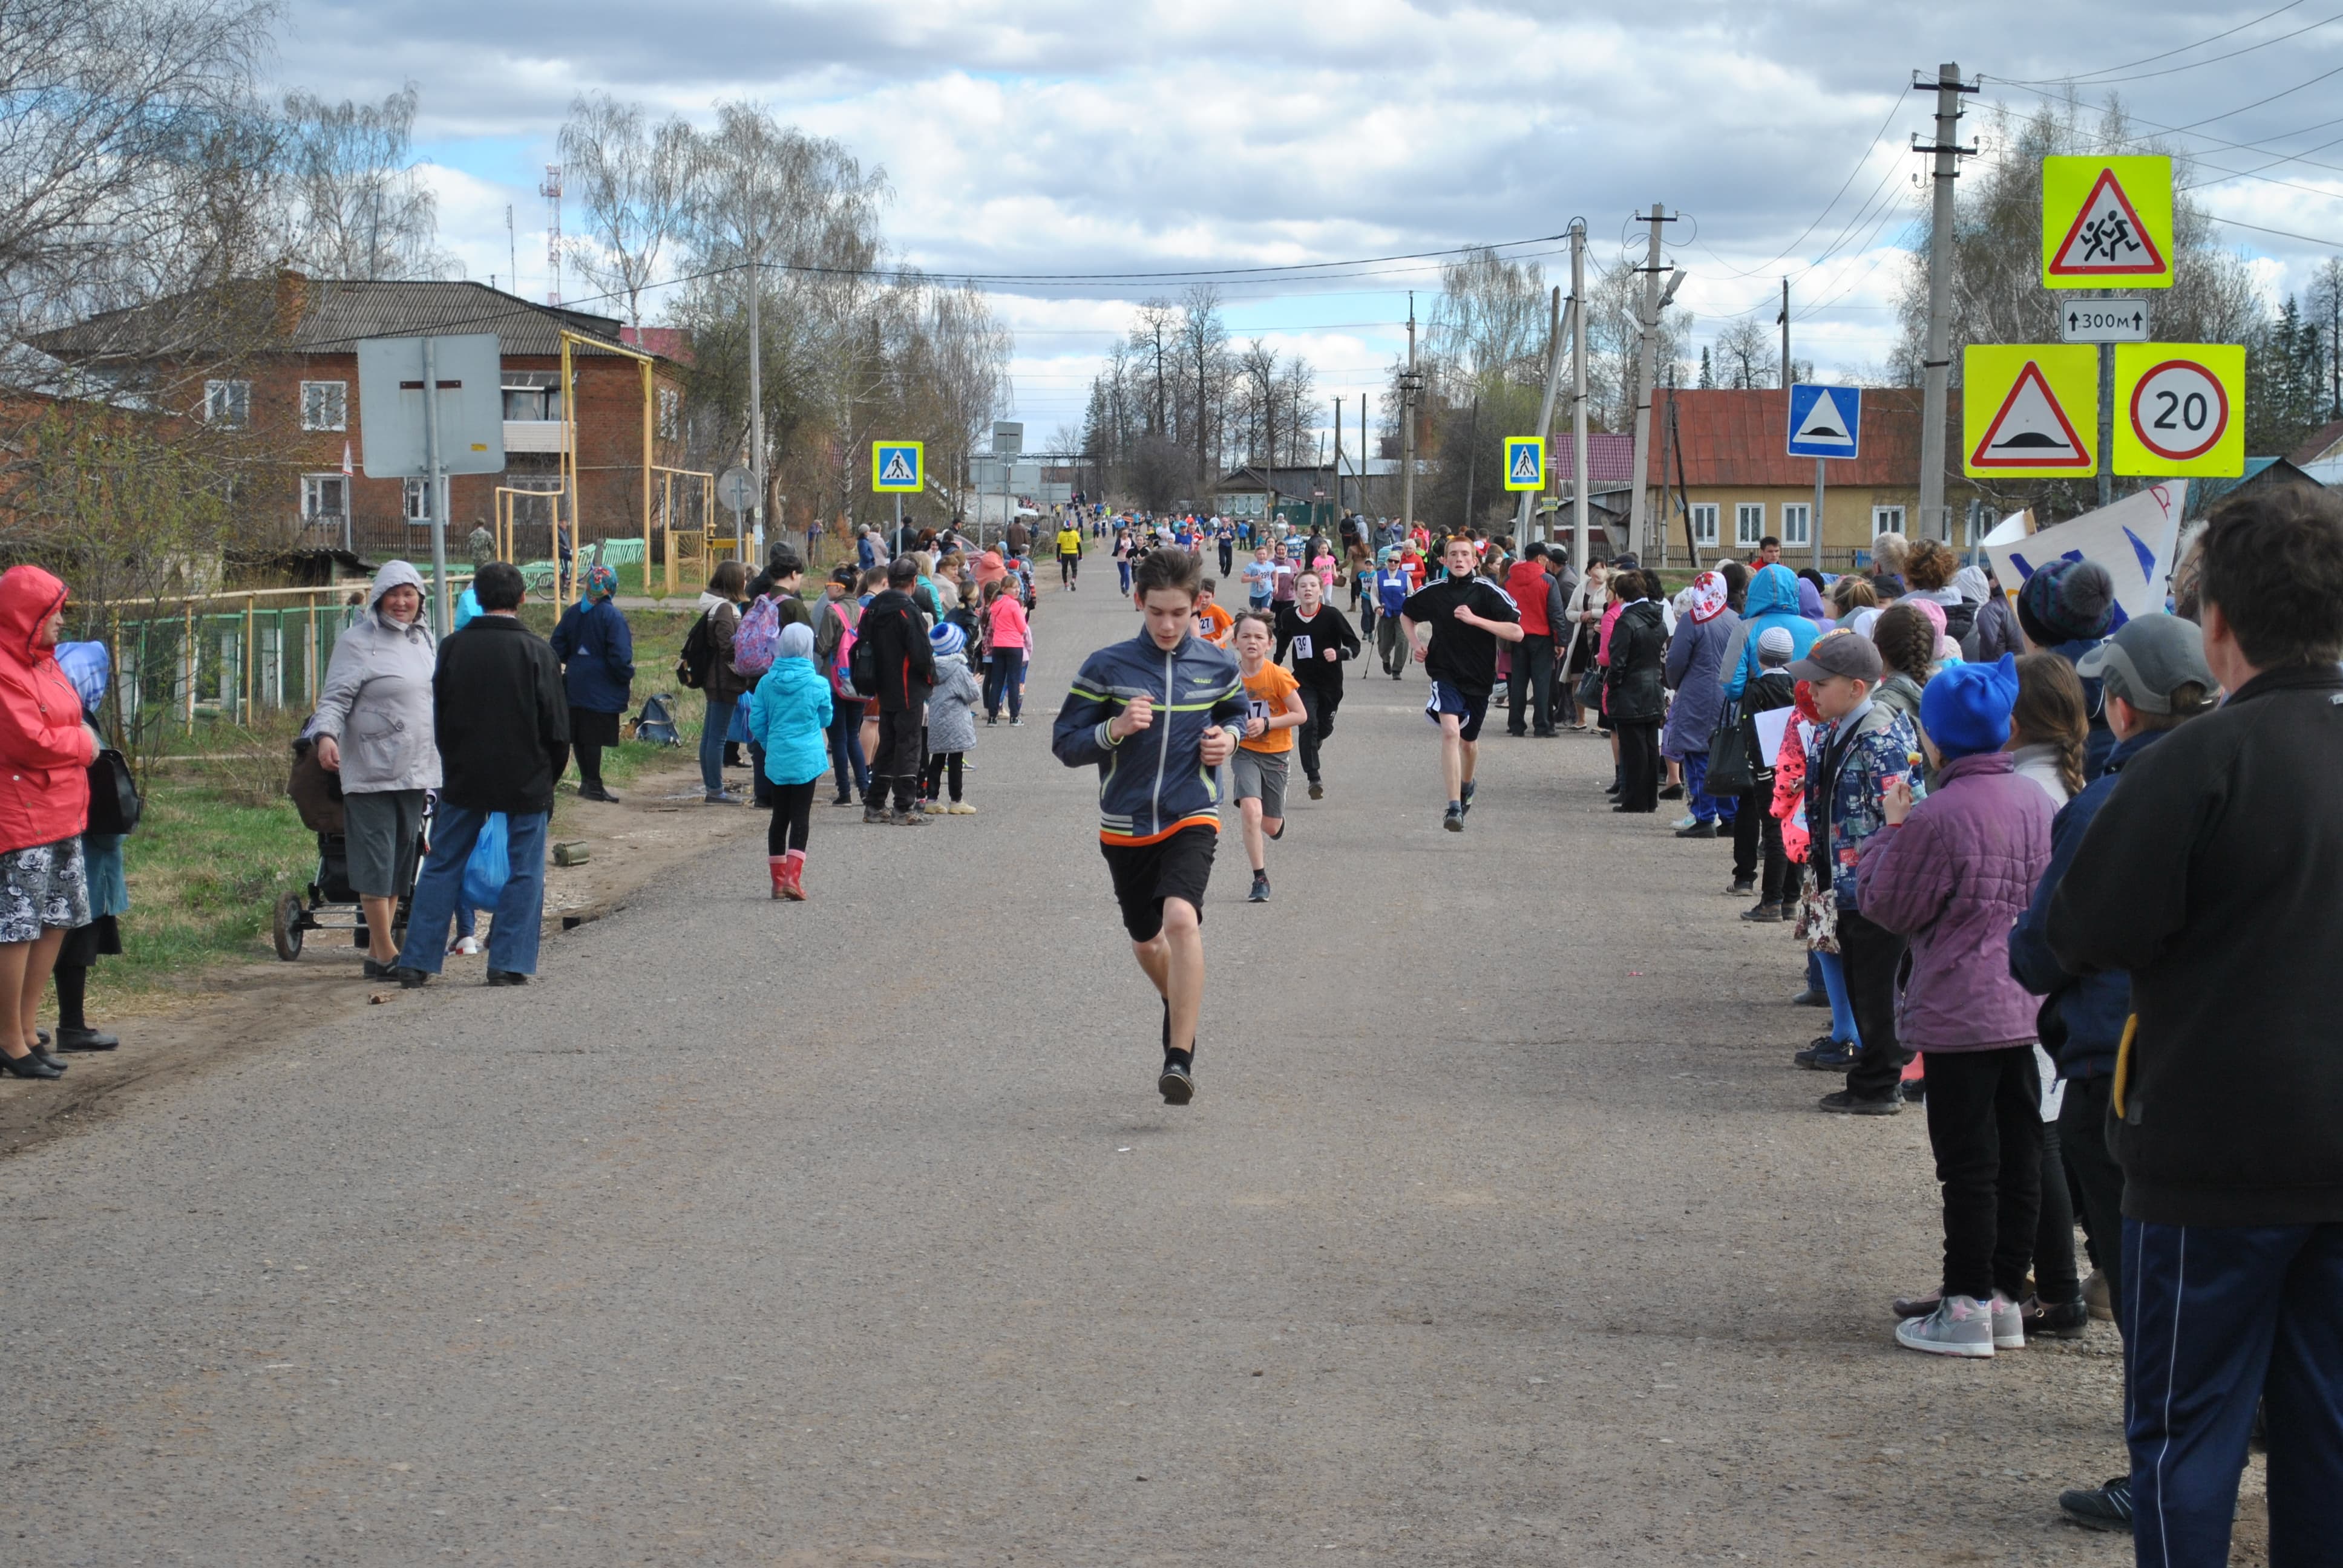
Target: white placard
(2133,539)
(1772,726)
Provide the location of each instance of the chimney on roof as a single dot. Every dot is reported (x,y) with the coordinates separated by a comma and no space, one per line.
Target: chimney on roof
(292,301)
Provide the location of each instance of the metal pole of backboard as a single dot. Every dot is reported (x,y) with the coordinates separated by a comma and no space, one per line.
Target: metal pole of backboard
(442,613)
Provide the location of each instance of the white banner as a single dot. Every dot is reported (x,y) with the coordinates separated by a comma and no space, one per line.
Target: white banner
(2133,539)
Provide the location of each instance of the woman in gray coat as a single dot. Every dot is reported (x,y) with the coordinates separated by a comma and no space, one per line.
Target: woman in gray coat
(373,725)
(1696,670)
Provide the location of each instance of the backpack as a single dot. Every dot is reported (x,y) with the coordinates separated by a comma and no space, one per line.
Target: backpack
(863,664)
(757,639)
(655,723)
(698,655)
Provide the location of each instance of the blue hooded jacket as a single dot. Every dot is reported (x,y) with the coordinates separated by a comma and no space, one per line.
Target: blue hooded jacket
(1772,601)
(2090,1008)
(788,716)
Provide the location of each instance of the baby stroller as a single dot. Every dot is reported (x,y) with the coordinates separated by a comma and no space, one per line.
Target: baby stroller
(331,904)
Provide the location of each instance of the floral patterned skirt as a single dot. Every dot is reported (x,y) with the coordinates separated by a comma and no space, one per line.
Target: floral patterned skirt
(46,885)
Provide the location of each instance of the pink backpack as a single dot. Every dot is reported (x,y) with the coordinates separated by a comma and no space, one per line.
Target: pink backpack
(757,637)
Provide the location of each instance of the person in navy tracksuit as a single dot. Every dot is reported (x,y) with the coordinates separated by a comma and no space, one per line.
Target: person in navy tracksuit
(2210,876)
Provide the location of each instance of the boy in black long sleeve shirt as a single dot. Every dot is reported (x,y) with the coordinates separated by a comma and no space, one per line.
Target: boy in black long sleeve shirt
(1321,639)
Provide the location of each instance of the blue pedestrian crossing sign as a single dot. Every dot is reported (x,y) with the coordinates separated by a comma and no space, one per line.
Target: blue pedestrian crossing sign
(896,465)
(1524,463)
(1825,421)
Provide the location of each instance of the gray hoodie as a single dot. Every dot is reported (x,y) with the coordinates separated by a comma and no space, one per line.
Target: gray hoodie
(377,701)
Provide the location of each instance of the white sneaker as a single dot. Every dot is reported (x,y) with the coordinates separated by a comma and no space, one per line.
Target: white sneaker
(1681,823)
(467,946)
(2008,1323)
(1960,1326)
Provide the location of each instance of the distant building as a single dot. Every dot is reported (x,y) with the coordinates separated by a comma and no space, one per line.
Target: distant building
(1740,484)
(296,387)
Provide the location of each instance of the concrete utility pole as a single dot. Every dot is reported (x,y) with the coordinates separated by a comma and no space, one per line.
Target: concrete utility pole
(1579,482)
(1948,89)
(1553,332)
(1407,390)
(1655,300)
(1814,523)
(1338,457)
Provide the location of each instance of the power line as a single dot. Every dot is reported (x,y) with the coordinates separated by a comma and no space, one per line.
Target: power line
(2184,48)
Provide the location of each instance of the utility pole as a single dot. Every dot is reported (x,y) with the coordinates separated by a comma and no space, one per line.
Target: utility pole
(756,403)
(1338,457)
(1553,331)
(1655,300)
(1579,484)
(1408,385)
(1948,89)
(1814,523)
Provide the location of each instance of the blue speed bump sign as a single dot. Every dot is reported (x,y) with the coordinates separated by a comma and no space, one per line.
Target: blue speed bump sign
(1524,463)
(896,465)
(1825,421)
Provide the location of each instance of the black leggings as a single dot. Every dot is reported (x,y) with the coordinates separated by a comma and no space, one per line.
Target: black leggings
(73,986)
(589,763)
(1069,568)
(792,816)
(940,766)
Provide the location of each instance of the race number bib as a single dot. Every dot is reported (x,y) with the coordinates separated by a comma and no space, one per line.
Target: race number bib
(1255,707)
(1302,646)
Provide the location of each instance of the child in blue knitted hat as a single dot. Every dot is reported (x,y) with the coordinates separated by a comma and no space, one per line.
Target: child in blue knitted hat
(1952,874)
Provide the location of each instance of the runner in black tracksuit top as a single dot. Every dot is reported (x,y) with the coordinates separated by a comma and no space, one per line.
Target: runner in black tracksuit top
(1321,639)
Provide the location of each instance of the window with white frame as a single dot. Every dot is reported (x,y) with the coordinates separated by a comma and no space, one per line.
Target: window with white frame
(227,403)
(1748,524)
(1886,520)
(325,497)
(418,506)
(670,413)
(1979,523)
(1703,523)
(325,405)
(1795,517)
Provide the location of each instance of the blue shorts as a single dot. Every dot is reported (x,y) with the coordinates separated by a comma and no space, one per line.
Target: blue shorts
(1469,709)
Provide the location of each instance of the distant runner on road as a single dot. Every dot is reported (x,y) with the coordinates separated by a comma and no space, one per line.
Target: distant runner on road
(1320,637)
(1273,711)
(1467,616)
(1157,716)
(1069,554)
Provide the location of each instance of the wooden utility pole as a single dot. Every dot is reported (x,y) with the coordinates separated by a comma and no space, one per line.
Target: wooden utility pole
(1948,89)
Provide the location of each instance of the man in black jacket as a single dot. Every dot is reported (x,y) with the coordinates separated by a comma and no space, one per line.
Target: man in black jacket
(2214,875)
(503,723)
(896,635)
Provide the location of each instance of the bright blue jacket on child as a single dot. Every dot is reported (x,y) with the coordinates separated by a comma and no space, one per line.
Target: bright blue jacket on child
(788,716)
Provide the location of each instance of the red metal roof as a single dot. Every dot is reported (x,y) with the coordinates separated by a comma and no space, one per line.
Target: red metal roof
(1733,436)
(2322,441)
(1610,455)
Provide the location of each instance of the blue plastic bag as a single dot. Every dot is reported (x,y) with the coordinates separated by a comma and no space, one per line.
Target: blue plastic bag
(490,864)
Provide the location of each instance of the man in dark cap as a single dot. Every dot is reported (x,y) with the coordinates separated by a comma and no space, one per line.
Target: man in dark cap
(2066,609)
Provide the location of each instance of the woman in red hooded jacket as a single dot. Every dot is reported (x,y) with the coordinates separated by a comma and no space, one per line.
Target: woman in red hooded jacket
(46,750)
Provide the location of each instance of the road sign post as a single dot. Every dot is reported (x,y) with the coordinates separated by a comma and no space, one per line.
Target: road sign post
(2029,410)
(1525,462)
(1826,423)
(2180,410)
(430,407)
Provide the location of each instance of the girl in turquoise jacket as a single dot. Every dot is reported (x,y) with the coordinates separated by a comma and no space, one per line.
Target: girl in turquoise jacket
(788,716)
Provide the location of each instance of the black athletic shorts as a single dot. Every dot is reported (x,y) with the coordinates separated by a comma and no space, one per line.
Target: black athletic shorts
(1146,874)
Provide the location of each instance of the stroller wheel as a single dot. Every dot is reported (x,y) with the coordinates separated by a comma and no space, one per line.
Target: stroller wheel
(291,917)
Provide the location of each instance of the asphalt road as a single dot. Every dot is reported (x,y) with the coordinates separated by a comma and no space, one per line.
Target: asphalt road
(1500,1231)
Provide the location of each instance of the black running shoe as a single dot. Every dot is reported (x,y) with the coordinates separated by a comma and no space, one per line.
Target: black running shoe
(1470,785)
(1177,1084)
(2105,1507)
(1455,820)
(1259,894)
(1847,1103)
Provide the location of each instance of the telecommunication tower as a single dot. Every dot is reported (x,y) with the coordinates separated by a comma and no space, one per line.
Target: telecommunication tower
(551,191)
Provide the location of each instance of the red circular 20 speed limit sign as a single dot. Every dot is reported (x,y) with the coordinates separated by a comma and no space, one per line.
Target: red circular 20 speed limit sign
(2180,410)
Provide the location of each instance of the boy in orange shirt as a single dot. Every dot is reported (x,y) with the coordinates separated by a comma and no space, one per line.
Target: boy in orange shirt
(1213,624)
(1273,706)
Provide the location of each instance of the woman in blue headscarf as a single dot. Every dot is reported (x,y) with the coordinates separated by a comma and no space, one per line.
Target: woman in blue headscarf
(597,666)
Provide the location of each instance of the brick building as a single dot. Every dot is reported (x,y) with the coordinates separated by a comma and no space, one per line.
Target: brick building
(1742,485)
(293,386)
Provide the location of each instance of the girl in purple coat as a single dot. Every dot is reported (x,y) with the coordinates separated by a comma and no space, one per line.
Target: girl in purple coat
(1953,873)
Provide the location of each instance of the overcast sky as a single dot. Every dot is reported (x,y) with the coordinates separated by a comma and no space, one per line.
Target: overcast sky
(1073,135)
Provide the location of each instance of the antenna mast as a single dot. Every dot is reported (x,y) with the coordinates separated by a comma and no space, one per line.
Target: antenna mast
(551,191)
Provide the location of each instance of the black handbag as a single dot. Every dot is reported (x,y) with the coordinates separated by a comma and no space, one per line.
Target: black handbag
(114,801)
(1729,771)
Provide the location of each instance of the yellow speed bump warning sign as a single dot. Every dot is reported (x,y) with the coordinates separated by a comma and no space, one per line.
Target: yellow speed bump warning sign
(2029,410)
(2106,221)
(2180,410)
